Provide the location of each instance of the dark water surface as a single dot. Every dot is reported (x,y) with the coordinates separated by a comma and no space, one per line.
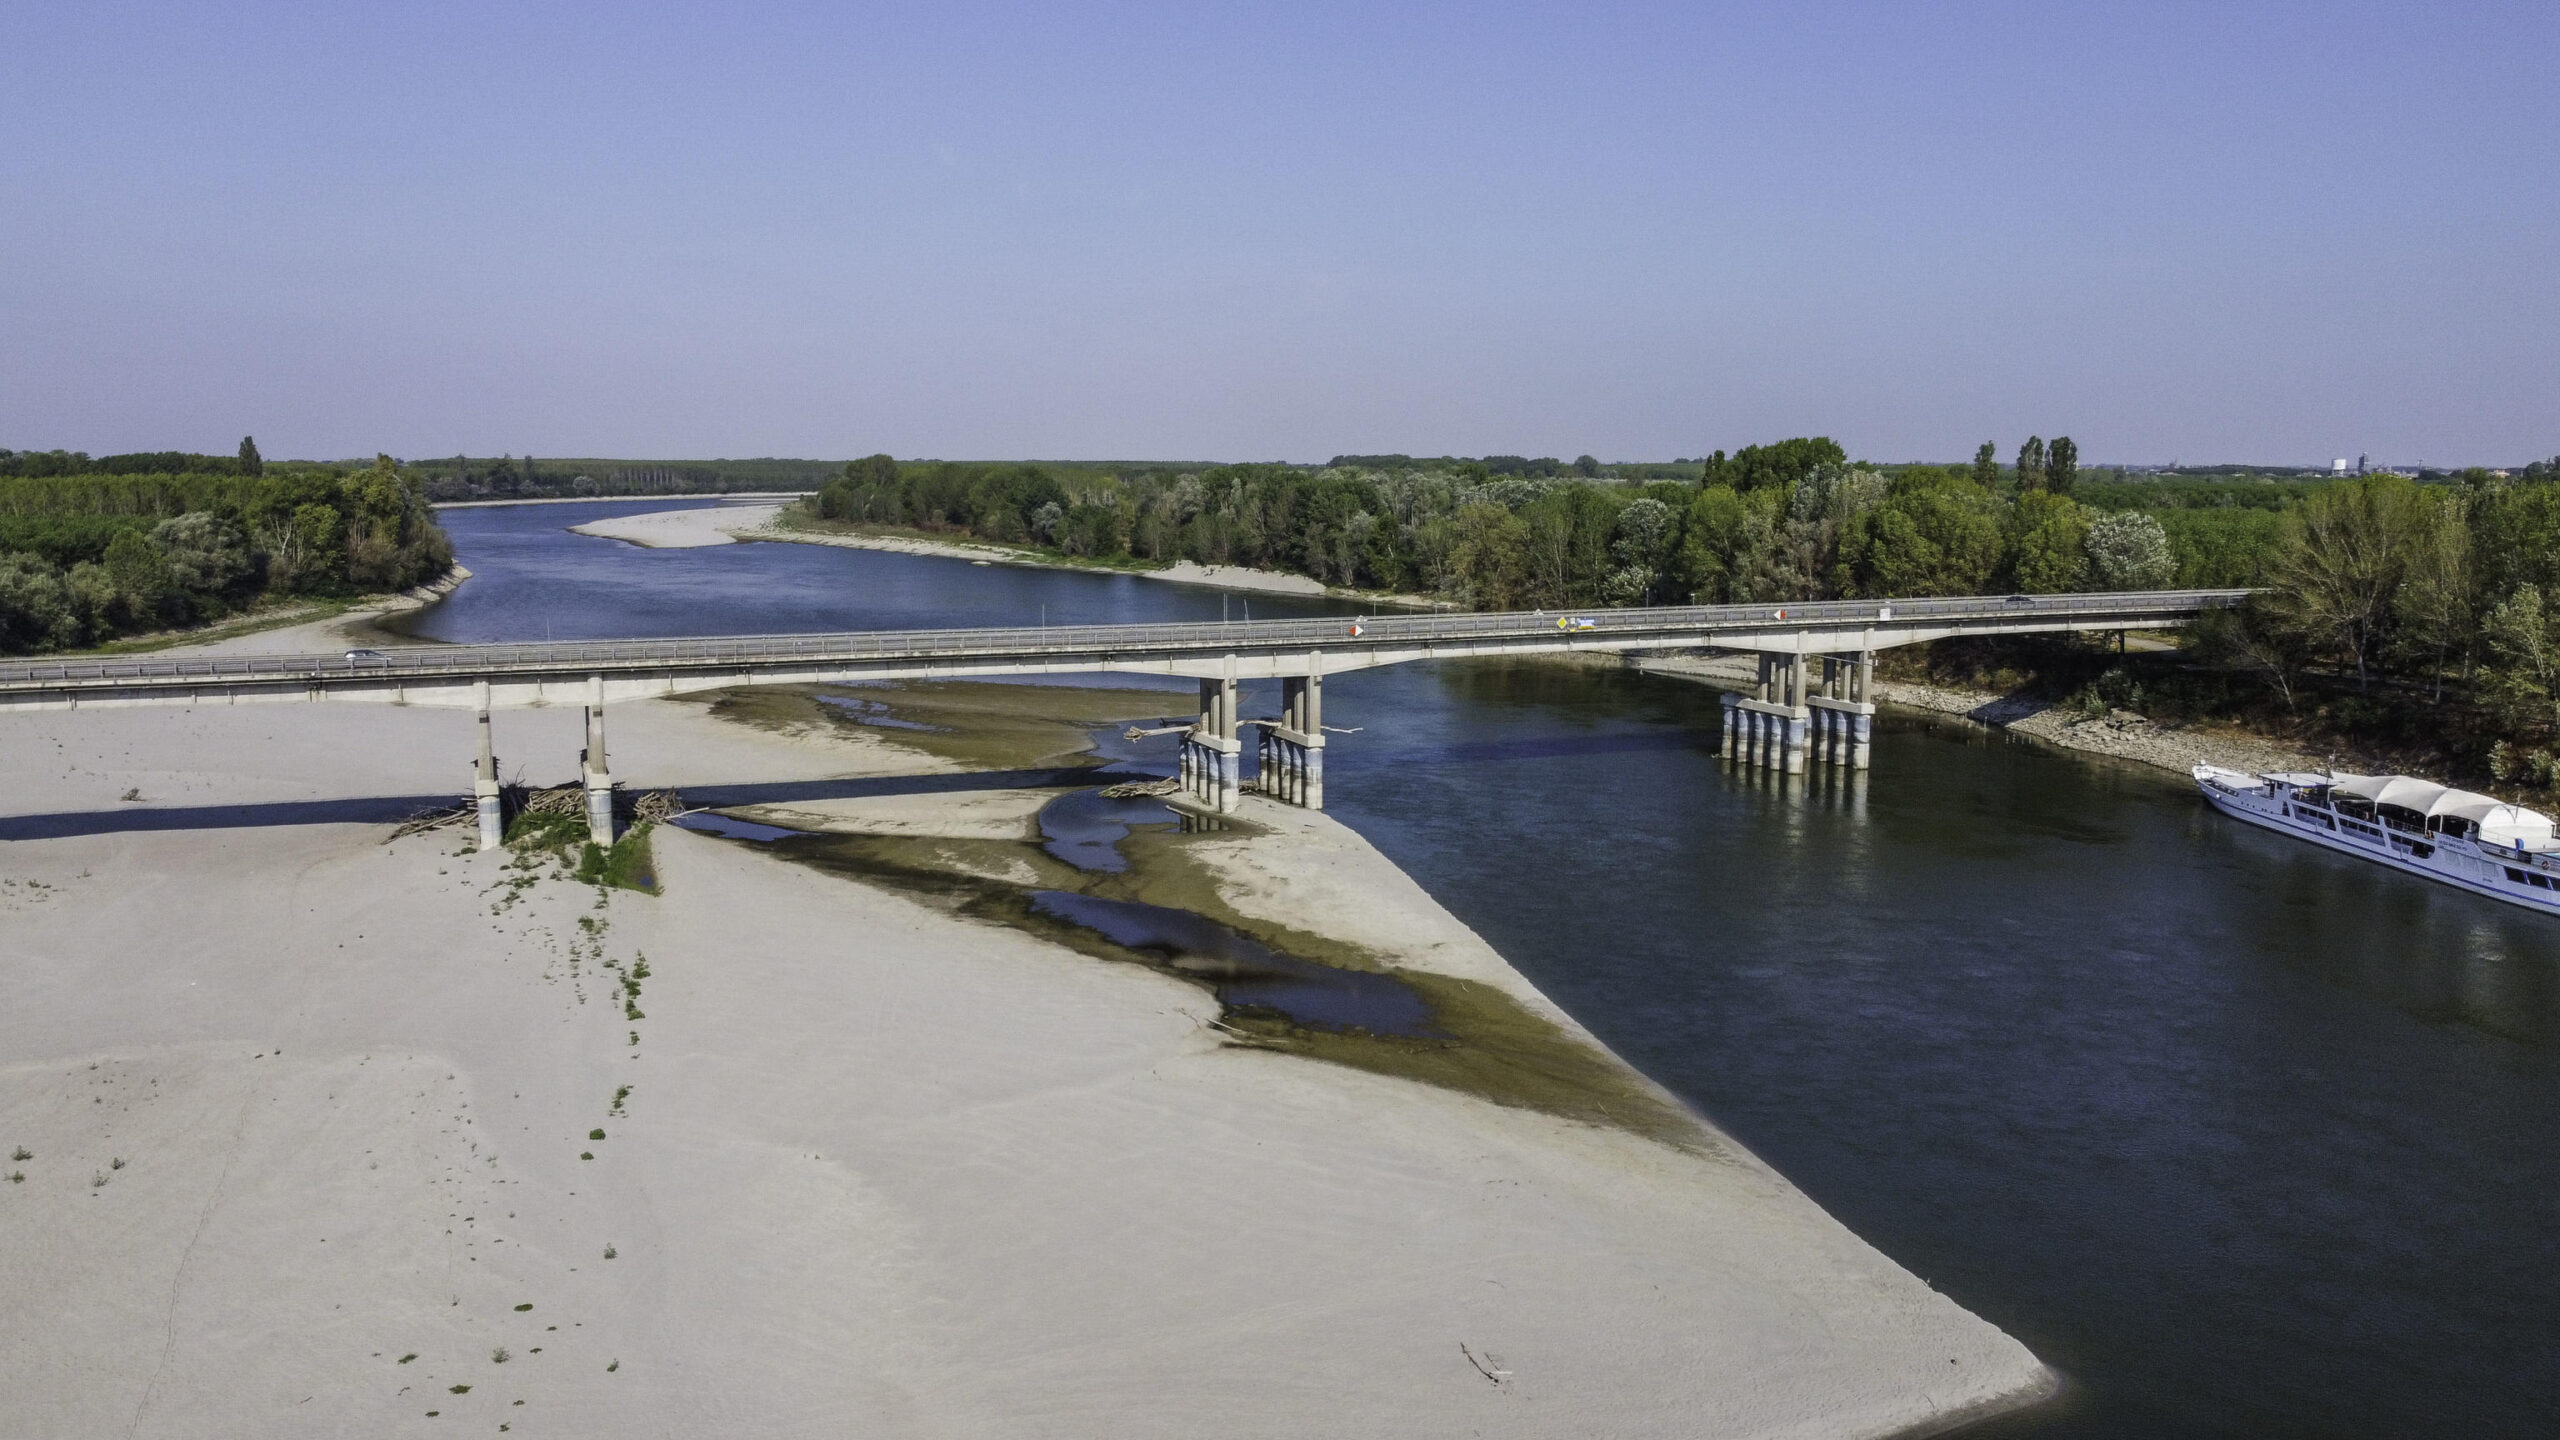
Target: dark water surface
(2245,1138)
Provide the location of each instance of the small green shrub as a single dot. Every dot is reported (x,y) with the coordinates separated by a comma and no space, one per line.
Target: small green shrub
(595,1134)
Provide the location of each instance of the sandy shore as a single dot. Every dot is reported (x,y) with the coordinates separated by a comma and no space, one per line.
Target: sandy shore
(2122,734)
(681,529)
(306,1113)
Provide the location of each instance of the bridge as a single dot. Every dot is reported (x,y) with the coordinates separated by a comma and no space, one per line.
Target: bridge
(1791,718)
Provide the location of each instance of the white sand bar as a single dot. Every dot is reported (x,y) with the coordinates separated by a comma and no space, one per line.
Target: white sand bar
(880,1171)
(727,524)
(683,529)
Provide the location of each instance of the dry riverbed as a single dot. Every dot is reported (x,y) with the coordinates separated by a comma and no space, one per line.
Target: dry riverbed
(311,1122)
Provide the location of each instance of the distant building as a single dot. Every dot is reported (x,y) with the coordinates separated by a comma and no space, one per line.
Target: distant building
(2339,467)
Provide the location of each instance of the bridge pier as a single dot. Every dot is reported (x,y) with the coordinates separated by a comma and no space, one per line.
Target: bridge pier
(591,765)
(1843,714)
(1293,748)
(1785,725)
(484,777)
(1212,756)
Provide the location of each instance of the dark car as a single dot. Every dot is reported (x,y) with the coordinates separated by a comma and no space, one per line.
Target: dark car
(2019,600)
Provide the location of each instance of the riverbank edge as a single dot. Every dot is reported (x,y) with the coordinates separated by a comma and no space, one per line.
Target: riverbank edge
(1268,903)
(1215,577)
(359,611)
(2120,734)
(622,499)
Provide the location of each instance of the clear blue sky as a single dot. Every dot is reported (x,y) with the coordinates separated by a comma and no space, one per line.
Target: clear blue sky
(2276,233)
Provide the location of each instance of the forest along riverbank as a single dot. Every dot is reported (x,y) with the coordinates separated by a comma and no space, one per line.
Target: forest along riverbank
(725,525)
(2119,733)
(770,1149)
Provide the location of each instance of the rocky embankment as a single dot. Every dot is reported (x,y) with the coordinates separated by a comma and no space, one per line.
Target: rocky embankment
(2120,733)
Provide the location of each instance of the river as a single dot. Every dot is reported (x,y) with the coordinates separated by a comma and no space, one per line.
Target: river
(2242,1137)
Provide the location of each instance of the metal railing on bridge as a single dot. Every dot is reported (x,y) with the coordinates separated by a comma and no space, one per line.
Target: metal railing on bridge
(1595,627)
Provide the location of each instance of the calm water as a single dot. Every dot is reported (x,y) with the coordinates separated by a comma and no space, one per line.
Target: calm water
(2244,1138)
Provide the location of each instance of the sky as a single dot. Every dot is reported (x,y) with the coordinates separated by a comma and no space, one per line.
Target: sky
(2213,232)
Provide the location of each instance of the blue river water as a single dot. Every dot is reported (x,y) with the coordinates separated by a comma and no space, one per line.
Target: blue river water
(2244,1138)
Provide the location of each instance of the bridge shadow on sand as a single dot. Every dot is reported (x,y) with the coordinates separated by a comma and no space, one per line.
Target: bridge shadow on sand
(393,809)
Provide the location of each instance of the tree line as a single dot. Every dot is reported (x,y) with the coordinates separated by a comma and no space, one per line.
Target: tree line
(1789,521)
(93,549)
(2411,595)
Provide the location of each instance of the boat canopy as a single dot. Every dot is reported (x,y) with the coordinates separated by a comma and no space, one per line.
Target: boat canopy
(2493,821)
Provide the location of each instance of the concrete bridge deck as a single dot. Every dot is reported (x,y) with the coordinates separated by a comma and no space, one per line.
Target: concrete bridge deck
(1792,717)
(595,672)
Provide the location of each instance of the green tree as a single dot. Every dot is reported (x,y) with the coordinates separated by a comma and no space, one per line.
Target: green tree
(1986,466)
(137,569)
(2340,559)
(2047,543)
(1933,535)
(2061,465)
(36,611)
(1712,530)
(250,464)
(2129,550)
(1639,551)
(1775,467)
(1491,550)
(1586,467)
(2524,640)
(205,554)
(2249,640)
(2434,613)
(2031,465)
(2516,535)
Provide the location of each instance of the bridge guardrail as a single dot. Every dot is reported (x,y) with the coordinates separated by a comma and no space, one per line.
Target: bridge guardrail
(1326,632)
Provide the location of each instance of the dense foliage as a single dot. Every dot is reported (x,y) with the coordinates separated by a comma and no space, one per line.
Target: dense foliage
(94,549)
(2418,593)
(513,477)
(1788,521)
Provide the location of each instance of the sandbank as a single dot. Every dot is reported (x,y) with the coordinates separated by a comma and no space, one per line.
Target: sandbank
(879,1169)
(726,525)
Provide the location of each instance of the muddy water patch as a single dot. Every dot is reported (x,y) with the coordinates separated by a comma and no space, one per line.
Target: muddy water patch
(1249,978)
(1085,827)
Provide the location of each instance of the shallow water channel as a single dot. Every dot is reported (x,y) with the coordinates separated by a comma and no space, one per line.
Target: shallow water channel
(2243,1137)
(1084,828)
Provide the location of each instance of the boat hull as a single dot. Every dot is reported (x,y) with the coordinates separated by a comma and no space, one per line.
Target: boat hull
(2454,863)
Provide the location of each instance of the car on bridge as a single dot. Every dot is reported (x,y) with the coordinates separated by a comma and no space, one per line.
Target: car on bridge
(1577,622)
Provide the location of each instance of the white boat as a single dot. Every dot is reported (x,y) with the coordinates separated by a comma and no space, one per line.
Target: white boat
(2477,842)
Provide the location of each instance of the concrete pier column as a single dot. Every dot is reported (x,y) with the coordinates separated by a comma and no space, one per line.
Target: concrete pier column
(1729,741)
(1866,678)
(484,777)
(599,777)
(1760,691)
(1862,727)
(1230,747)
